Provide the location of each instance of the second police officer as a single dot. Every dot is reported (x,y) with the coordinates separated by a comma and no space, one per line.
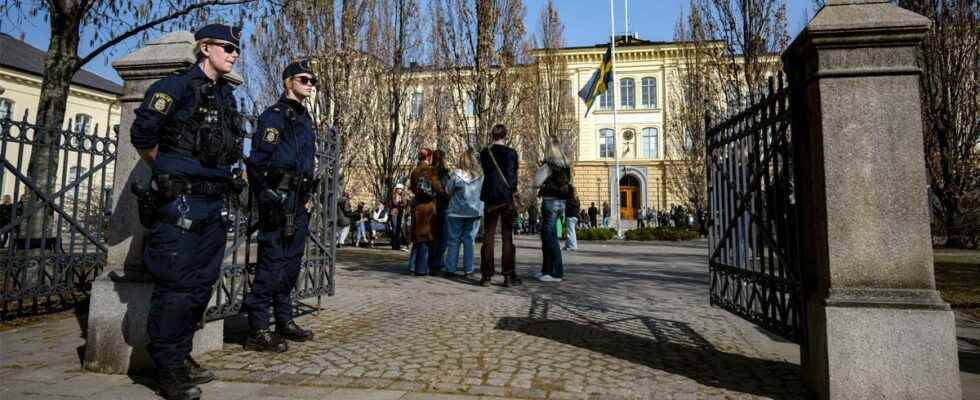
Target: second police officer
(188,130)
(281,171)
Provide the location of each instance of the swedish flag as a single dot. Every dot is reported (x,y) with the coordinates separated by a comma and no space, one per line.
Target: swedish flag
(600,82)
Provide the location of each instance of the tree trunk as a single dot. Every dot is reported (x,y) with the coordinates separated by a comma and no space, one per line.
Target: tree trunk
(484,48)
(60,66)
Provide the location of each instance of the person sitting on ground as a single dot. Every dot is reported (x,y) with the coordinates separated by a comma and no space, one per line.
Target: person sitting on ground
(464,213)
(553,180)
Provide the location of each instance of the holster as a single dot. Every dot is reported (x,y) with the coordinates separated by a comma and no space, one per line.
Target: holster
(147,203)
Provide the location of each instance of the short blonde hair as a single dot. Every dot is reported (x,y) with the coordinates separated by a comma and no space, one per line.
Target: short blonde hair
(198,46)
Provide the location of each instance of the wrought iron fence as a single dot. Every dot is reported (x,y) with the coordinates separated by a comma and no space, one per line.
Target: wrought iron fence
(54,265)
(316,277)
(754,268)
(54,240)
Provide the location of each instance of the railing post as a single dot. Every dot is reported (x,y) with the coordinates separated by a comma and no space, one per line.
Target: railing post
(877,327)
(116,341)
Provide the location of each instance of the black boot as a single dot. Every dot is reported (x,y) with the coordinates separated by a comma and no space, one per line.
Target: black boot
(264,340)
(175,384)
(291,331)
(198,374)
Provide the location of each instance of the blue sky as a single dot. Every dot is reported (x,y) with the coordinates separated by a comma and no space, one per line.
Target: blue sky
(586,23)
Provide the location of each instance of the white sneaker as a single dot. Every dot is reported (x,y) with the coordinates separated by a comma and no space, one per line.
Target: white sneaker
(538,275)
(549,278)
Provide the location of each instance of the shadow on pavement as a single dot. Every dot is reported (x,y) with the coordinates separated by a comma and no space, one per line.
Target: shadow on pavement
(661,344)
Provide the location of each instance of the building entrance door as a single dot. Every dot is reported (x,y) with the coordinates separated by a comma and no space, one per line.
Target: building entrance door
(629,197)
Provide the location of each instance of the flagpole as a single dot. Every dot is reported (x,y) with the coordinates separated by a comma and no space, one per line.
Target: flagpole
(615,194)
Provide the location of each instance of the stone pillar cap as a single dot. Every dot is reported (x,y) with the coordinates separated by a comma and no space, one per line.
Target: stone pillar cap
(851,15)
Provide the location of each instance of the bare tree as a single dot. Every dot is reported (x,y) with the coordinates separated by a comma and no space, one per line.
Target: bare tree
(552,106)
(109,22)
(950,61)
(483,42)
(731,49)
(396,44)
(692,86)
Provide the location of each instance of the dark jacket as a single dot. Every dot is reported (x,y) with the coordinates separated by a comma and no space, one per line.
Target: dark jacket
(344,213)
(559,183)
(573,207)
(496,190)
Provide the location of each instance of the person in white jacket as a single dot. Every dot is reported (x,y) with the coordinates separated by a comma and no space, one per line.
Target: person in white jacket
(464,212)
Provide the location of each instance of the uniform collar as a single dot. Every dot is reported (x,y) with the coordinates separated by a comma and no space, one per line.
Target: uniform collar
(295,105)
(197,73)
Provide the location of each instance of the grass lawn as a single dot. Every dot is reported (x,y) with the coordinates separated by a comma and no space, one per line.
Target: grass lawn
(958,279)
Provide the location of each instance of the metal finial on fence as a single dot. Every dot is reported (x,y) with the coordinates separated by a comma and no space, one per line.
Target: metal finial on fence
(26,113)
(772,83)
(779,77)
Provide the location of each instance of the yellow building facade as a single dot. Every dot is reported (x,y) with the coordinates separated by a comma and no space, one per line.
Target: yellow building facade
(636,131)
(93,102)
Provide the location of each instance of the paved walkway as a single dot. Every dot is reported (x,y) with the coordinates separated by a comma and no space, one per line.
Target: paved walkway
(631,321)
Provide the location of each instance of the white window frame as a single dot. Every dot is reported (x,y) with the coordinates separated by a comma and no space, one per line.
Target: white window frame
(607,141)
(607,99)
(81,127)
(9,107)
(651,152)
(415,106)
(648,92)
(627,97)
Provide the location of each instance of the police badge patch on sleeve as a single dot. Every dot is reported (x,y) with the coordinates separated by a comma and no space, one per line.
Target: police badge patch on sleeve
(271,135)
(161,102)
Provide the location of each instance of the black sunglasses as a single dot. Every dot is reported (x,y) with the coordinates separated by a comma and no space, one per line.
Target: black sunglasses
(306,80)
(229,48)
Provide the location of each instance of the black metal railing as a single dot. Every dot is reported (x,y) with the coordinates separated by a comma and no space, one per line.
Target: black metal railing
(48,268)
(53,228)
(755,271)
(316,277)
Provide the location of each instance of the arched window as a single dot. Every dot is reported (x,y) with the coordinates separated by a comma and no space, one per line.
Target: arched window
(627,89)
(606,100)
(607,146)
(650,143)
(649,92)
(82,123)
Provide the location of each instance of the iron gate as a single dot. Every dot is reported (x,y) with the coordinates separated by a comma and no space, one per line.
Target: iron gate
(316,278)
(754,268)
(53,268)
(50,265)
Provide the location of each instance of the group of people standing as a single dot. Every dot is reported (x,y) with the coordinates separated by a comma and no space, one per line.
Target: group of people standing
(449,205)
(189,132)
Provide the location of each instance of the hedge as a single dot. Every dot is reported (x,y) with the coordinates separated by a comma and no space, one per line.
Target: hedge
(595,234)
(662,233)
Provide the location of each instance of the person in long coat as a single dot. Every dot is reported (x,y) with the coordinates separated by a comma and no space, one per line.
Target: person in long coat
(424,184)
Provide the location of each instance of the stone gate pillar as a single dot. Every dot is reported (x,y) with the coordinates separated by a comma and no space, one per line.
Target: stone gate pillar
(877,328)
(116,335)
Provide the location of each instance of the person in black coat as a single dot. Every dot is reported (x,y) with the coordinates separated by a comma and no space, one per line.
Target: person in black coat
(593,215)
(499,164)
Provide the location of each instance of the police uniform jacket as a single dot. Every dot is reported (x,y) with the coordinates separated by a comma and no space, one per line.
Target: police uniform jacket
(169,109)
(284,139)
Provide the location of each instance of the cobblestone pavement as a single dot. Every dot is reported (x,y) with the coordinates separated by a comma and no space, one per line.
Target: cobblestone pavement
(630,321)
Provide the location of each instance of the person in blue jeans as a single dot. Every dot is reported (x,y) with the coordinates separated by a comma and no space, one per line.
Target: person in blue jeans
(464,212)
(554,181)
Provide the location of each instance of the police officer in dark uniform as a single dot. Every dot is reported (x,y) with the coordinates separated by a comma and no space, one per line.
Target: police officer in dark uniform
(189,130)
(281,170)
